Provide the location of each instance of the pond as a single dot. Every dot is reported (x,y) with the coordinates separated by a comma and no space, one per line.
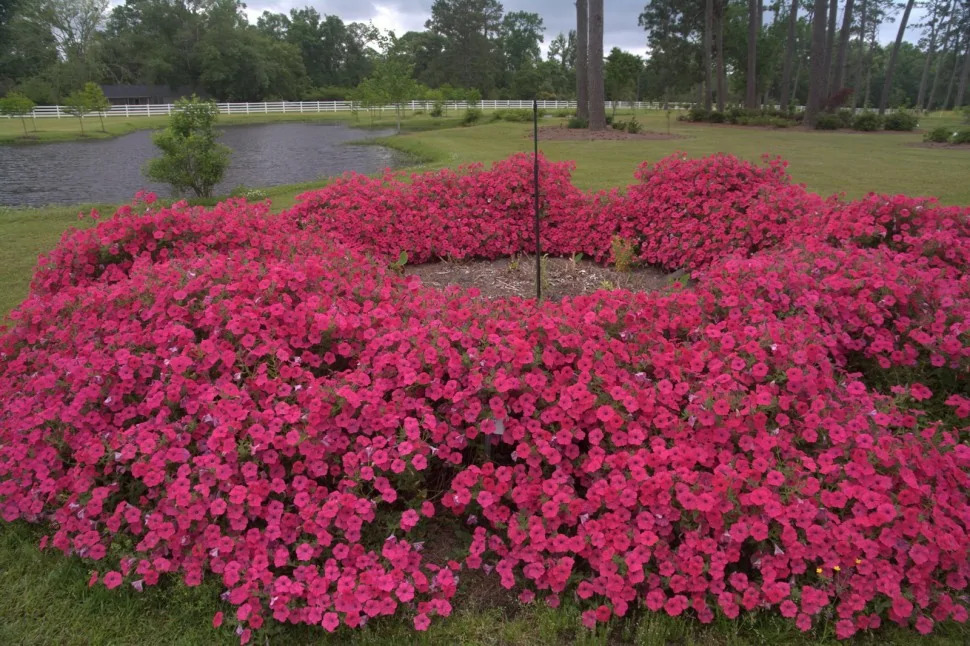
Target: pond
(109,170)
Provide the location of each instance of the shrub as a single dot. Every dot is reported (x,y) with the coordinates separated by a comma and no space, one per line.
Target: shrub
(901,120)
(618,125)
(191,158)
(867,121)
(939,135)
(962,136)
(565,113)
(965,110)
(781,122)
(633,126)
(472,116)
(698,114)
(846,118)
(578,123)
(17,105)
(437,109)
(828,121)
(624,253)
(716,117)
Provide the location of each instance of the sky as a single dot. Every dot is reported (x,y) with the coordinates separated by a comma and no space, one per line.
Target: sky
(620,20)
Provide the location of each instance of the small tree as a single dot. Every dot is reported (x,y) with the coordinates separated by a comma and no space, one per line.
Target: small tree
(96,101)
(76,105)
(16,104)
(191,157)
(392,78)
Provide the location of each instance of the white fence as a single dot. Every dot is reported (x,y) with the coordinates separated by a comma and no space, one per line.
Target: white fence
(312,107)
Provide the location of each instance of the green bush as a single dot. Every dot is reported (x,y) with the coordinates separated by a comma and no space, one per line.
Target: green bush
(867,121)
(519,116)
(696,114)
(609,120)
(578,123)
(716,117)
(782,122)
(846,118)
(938,135)
(902,121)
(828,121)
(634,127)
(191,157)
(962,136)
(472,116)
(619,125)
(438,109)
(966,113)
(734,115)
(565,113)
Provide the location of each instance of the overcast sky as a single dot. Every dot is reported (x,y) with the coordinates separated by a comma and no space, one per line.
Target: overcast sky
(400,16)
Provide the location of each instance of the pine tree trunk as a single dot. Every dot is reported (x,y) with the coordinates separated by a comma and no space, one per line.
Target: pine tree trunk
(891,67)
(816,85)
(839,77)
(708,29)
(938,68)
(582,60)
(751,94)
(786,82)
(721,69)
(833,11)
(928,59)
(964,76)
(860,64)
(597,95)
(953,73)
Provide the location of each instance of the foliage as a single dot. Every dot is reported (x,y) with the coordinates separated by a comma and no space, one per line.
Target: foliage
(17,105)
(227,394)
(867,121)
(828,121)
(391,82)
(96,101)
(191,158)
(901,120)
(471,117)
(961,136)
(577,123)
(77,104)
(939,135)
(624,253)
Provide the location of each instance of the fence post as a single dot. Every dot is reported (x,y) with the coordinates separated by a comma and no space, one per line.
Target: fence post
(247,108)
(301,107)
(284,107)
(265,108)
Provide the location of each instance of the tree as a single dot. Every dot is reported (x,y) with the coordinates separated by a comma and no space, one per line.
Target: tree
(839,73)
(96,101)
(470,27)
(833,12)
(964,76)
(76,105)
(521,37)
(621,71)
(754,27)
(708,40)
(597,92)
(73,23)
(790,42)
(819,74)
(674,31)
(17,105)
(891,66)
(393,77)
(191,157)
(582,60)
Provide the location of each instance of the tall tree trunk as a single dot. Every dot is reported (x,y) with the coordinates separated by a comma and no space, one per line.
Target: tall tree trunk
(751,94)
(938,68)
(928,59)
(964,76)
(860,64)
(708,29)
(839,77)
(891,67)
(953,73)
(597,95)
(786,84)
(830,49)
(721,69)
(816,85)
(872,48)
(582,60)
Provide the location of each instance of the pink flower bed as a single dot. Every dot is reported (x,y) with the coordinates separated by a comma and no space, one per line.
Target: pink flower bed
(257,398)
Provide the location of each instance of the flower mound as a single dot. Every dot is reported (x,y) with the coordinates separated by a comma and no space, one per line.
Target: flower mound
(260,398)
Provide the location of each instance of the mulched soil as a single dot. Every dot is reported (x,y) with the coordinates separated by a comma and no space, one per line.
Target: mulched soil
(577,134)
(509,277)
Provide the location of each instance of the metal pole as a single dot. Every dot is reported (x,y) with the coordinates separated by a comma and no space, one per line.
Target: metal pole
(535,166)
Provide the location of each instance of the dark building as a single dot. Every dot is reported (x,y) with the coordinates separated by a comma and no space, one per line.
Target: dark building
(147,94)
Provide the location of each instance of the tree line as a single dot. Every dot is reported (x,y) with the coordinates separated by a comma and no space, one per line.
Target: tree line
(820,53)
(823,54)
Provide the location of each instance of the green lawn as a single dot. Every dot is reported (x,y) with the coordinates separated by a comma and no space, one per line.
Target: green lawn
(44,598)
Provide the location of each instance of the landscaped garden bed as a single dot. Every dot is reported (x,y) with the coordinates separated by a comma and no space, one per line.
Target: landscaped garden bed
(274,402)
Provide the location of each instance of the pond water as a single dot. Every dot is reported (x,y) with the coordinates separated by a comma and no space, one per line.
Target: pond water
(109,170)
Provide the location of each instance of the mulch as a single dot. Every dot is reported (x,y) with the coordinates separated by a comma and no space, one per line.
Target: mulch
(510,277)
(576,134)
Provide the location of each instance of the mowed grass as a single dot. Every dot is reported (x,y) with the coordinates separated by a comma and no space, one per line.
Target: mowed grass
(44,598)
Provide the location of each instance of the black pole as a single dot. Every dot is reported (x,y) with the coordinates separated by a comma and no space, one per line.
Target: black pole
(535,165)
